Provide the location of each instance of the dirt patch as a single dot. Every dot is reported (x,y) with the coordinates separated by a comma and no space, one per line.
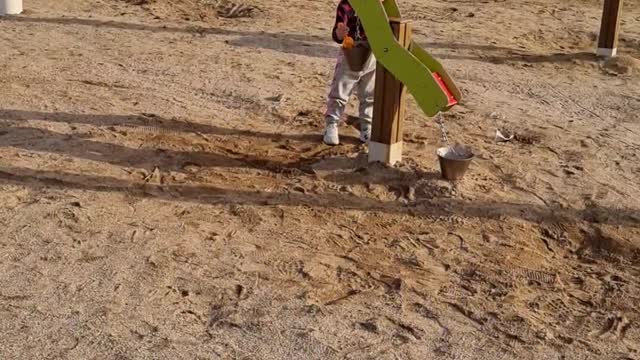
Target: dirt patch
(622,65)
(608,243)
(196,10)
(165,192)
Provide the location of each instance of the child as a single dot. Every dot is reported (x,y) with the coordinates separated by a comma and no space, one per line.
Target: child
(345,81)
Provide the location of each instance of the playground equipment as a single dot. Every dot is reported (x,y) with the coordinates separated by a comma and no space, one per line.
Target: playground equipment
(423,75)
(454,161)
(609,28)
(401,63)
(10,7)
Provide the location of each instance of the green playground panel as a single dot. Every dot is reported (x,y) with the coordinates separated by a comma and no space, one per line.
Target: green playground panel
(421,73)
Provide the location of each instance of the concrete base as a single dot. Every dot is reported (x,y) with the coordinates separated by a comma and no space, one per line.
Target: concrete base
(385,153)
(607,52)
(10,7)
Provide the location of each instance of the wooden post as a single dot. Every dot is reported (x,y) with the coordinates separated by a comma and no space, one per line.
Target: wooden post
(608,39)
(389,107)
(10,7)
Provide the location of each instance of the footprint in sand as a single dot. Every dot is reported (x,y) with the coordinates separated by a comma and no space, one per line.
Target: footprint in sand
(354,281)
(291,269)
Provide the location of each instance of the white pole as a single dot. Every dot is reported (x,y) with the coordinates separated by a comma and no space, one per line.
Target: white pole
(10,7)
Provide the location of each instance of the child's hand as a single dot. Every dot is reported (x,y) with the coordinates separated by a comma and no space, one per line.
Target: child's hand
(342,31)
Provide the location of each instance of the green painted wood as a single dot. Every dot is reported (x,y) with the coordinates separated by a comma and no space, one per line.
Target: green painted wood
(413,67)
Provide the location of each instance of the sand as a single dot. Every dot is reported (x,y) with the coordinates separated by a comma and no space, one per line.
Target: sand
(165,193)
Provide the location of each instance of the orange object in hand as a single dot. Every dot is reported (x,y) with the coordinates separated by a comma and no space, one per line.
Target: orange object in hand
(348,42)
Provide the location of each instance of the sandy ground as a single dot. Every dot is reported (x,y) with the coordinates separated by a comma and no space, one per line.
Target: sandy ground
(165,194)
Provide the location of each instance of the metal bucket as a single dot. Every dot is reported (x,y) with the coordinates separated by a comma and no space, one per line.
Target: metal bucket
(357,57)
(454,161)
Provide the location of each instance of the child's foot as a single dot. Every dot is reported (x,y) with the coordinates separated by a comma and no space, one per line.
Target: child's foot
(365,132)
(331,134)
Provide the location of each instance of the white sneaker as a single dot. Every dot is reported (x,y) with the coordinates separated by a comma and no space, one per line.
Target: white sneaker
(331,134)
(365,132)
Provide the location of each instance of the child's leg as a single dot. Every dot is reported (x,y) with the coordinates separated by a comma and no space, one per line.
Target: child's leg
(344,81)
(366,87)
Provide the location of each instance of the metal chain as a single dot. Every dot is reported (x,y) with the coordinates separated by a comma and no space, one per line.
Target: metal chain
(443,131)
